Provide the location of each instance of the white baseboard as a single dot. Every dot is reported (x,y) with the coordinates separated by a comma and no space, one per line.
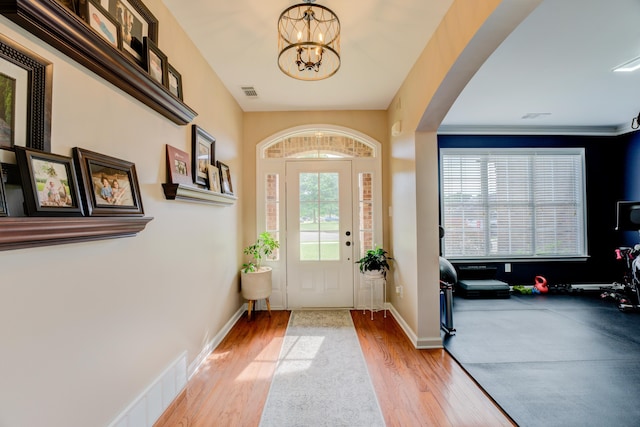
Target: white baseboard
(429,343)
(418,343)
(145,410)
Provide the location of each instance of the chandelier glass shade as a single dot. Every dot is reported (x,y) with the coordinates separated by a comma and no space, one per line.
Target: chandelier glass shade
(308,42)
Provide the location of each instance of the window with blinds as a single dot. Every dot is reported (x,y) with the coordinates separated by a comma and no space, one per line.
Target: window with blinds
(513,203)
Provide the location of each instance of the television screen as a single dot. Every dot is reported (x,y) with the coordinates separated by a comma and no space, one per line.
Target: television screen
(628,216)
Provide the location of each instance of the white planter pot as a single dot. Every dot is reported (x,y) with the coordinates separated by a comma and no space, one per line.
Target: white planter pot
(374,274)
(257,284)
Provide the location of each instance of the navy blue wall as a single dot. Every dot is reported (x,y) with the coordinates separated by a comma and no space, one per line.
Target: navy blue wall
(610,177)
(632,179)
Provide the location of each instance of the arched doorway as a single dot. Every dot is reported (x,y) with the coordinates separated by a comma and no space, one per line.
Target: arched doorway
(319,191)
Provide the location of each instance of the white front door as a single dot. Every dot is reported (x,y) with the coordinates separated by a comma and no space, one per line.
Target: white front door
(320,265)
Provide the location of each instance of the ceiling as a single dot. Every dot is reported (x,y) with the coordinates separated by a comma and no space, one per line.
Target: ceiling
(552,74)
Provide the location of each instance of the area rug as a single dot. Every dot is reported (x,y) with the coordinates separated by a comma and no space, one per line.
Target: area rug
(321,378)
(557,360)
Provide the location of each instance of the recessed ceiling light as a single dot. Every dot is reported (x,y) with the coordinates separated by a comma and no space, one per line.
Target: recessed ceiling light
(628,66)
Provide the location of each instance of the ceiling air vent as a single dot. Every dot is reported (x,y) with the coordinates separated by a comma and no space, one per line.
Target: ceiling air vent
(535,115)
(249,91)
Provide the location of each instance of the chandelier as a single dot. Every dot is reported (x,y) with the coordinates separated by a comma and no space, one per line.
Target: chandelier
(308,42)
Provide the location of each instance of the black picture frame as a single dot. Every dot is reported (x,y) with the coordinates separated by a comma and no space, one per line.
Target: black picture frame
(136,23)
(4,209)
(119,195)
(225,178)
(174,82)
(105,25)
(39,92)
(155,62)
(59,195)
(203,147)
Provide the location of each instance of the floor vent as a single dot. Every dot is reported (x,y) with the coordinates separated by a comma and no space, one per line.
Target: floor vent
(250,91)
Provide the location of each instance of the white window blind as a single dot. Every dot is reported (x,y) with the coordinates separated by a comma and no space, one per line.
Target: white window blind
(513,203)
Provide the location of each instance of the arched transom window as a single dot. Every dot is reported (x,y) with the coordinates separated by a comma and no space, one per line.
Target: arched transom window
(318,145)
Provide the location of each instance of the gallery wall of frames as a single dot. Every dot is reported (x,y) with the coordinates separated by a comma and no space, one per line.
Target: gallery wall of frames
(116,39)
(85,195)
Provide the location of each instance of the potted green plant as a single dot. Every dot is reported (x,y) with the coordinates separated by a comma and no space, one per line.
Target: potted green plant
(262,249)
(375,262)
(255,278)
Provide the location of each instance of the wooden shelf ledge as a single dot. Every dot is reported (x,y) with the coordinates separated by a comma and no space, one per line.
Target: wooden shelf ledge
(195,194)
(28,232)
(65,31)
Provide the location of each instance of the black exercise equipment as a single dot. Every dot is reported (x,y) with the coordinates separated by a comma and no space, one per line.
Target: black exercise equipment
(448,279)
(478,281)
(627,294)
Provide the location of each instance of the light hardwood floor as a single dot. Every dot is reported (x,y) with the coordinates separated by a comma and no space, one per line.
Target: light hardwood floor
(414,387)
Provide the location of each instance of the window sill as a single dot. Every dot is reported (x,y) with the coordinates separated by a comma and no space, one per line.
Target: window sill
(581,258)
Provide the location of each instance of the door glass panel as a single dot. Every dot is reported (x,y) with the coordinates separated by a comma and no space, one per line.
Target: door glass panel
(272,209)
(329,216)
(309,246)
(319,217)
(330,245)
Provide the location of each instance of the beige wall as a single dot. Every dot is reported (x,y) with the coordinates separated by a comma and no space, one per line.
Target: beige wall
(86,327)
(469,33)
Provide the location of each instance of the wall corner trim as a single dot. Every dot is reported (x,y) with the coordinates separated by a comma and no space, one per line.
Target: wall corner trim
(214,342)
(418,343)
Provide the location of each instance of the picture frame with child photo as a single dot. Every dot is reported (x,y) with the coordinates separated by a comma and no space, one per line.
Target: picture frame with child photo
(109,185)
(49,183)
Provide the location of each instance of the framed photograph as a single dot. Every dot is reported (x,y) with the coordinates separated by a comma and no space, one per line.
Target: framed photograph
(155,62)
(4,210)
(102,23)
(174,82)
(214,179)
(225,178)
(178,166)
(109,186)
(49,184)
(7,110)
(136,23)
(203,147)
(25,99)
